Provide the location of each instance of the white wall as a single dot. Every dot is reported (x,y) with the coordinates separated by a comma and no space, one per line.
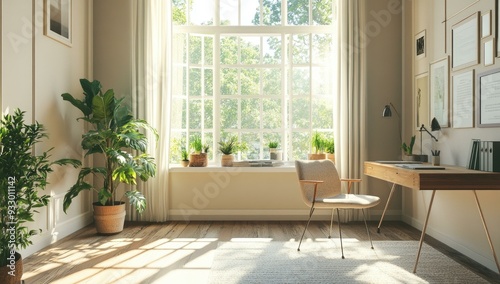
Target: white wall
(36,70)
(454,218)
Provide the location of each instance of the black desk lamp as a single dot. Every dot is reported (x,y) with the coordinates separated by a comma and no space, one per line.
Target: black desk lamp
(388,113)
(434,127)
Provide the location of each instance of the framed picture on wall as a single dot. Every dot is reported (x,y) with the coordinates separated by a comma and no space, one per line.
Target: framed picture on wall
(421,100)
(420,45)
(438,89)
(497,26)
(465,42)
(489,52)
(463,100)
(57,20)
(488,99)
(486,24)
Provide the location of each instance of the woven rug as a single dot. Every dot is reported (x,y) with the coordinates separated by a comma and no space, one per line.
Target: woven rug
(320,262)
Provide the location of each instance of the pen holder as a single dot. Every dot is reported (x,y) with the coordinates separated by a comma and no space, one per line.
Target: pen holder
(436,161)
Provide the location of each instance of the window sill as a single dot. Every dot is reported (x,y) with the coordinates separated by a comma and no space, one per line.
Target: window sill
(281,169)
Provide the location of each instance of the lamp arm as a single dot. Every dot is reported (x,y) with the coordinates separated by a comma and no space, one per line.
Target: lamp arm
(395,110)
(422,128)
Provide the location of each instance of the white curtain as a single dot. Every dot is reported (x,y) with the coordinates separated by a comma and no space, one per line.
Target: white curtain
(151,96)
(350,120)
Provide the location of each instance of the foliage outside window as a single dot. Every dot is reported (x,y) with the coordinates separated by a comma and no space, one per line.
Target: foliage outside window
(262,70)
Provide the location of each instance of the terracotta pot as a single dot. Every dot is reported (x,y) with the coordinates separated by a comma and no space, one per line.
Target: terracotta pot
(226,160)
(12,274)
(109,219)
(331,157)
(185,163)
(316,156)
(198,160)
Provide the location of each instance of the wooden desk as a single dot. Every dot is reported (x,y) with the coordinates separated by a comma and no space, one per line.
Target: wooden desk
(451,178)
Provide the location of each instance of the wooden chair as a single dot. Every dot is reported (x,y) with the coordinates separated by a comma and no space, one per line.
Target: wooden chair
(321,189)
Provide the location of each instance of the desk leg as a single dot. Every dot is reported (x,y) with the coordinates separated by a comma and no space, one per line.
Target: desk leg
(423,231)
(486,230)
(386,205)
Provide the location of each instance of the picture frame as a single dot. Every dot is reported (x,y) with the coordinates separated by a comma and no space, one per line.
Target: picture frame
(465,43)
(488,99)
(420,45)
(486,24)
(463,100)
(421,100)
(439,91)
(497,27)
(489,52)
(58,20)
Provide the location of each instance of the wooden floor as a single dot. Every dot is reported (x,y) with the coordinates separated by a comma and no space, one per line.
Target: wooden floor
(182,252)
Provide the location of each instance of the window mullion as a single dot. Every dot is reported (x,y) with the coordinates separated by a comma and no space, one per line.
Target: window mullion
(216,90)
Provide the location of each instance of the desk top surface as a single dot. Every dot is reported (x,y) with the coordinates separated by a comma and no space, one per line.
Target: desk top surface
(449,178)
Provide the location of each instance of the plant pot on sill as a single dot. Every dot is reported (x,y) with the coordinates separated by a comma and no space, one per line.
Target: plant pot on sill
(330,157)
(227,160)
(109,219)
(185,163)
(12,274)
(321,156)
(275,154)
(198,160)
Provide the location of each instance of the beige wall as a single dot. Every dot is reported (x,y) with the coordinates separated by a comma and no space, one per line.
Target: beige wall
(454,219)
(36,70)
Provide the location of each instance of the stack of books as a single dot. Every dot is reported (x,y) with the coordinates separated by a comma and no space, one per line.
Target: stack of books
(485,156)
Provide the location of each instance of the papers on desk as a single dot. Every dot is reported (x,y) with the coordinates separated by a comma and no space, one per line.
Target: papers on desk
(419,167)
(399,162)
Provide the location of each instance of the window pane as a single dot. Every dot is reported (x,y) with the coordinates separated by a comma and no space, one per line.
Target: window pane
(209,82)
(271,80)
(178,113)
(322,50)
(250,81)
(229,50)
(202,12)
(300,81)
(228,12)
(323,113)
(194,49)
(229,82)
(209,50)
(195,114)
(229,114)
(254,143)
(298,12)
(300,49)
(194,82)
(179,12)
(322,12)
(177,144)
(209,117)
(179,81)
(300,113)
(271,114)
(300,145)
(208,139)
(271,15)
(271,50)
(250,50)
(250,114)
(322,81)
(179,48)
(250,12)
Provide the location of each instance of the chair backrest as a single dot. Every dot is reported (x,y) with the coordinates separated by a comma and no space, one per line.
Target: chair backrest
(323,170)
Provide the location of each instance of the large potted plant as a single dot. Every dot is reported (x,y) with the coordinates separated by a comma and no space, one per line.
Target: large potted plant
(119,142)
(22,176)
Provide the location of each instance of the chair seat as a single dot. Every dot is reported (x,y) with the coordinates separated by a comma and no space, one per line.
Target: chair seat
(347,201)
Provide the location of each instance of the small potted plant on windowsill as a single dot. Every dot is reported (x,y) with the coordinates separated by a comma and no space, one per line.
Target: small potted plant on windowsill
(274,152)
(330,149)
(318,144)
(228,147)
(198,157)
(185,158)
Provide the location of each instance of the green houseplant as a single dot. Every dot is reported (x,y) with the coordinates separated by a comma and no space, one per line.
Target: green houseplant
(274,152)
(184,157)
(22,176)
(117,139)
(198,157)
(330,149)
(229,146)
(318,144)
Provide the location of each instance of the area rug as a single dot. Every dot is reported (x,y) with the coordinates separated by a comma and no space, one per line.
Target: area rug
(320,262)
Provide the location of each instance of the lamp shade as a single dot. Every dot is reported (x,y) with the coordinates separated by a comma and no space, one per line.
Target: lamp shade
(435,125)
(387,111)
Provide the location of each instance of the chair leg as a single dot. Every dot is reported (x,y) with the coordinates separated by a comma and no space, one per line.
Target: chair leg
(340,233)
(331,223)
(305,229)
(366,225)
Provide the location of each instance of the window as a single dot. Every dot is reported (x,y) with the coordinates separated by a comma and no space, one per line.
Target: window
(259,69)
